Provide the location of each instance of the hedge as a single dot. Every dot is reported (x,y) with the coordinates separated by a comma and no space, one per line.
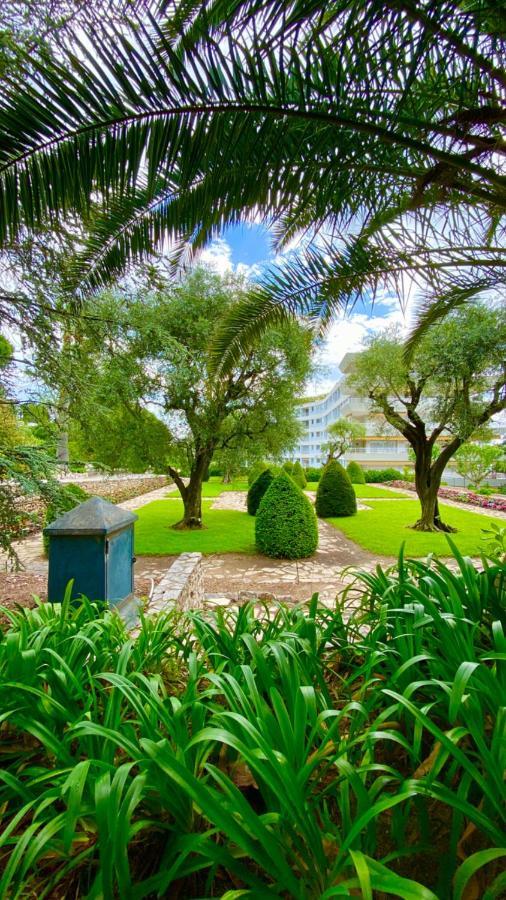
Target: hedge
(379,475)
(335,495)
(286,526)
(257,490)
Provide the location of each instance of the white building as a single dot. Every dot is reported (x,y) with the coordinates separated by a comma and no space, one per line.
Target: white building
(382,447)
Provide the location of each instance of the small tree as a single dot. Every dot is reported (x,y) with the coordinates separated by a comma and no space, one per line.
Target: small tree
(335,495)
(478,461)
(343,434)
(286,526)
(299,476)
(257,490)
(453,384)
(356,472)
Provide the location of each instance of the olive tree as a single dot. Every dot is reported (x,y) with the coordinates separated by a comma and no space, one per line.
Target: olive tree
(343,434)
(453,384)
(158,359)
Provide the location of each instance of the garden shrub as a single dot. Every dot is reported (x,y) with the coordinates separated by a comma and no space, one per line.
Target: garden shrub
(255,471)
(288,467)
(257,490)
(298,476)
(356,472)
(379,475)
(286,526)
(312,473)
(335,495)
(70,495)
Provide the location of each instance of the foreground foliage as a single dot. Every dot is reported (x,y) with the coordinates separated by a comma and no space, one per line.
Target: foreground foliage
(296,756)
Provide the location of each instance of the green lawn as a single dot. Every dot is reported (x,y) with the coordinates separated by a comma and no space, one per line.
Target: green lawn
(363,491)
(227,531)
(384,527)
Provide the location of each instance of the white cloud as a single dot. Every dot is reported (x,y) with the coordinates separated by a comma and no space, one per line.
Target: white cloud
(347,335)
(217,256)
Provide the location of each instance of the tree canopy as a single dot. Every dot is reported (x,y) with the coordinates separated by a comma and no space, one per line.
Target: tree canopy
(343,434)
(452,386)
(152,355)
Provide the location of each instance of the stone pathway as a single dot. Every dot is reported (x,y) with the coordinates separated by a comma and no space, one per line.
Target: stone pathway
(235,577)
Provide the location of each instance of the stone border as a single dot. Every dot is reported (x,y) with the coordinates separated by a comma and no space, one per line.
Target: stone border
(183,585)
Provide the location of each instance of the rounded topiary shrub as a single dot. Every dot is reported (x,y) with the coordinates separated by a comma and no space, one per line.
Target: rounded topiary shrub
(298,475)
(288,466)
(257,490)
(286,526)
(69,496)
(356,473)
(335,495)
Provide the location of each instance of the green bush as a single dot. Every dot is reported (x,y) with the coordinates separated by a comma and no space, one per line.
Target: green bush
(286,526)
(255,471)
(356,473)
(335,495)
(288,467)
(257,490)
(378,475)
(94,757)
(298,476)
(70,495)
(313,473)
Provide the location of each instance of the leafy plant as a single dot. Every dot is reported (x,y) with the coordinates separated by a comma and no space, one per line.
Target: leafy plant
(377,476)
(335,495)
(285,525)
(285,751)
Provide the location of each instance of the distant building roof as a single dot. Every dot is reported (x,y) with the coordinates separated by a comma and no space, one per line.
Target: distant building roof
(348,362)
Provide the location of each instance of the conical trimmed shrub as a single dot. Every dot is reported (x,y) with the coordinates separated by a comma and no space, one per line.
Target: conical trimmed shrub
(356,473)
(286,526)
(257,490)
(335,495)
(288,466)
(298,476)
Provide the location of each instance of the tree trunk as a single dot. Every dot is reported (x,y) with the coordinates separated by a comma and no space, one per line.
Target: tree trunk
(427,483)
(227,477)
(191,493)
(62,447)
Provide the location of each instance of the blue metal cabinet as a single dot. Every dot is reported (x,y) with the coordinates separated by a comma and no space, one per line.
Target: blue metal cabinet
(93,545)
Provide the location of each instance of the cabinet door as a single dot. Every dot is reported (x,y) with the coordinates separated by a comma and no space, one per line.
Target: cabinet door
(119,566)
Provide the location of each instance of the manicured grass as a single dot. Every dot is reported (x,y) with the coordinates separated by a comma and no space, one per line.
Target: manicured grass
(226,531)
(214,487)
(384,527)
(364,490)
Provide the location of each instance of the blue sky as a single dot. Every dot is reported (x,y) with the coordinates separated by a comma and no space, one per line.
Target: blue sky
(247,249)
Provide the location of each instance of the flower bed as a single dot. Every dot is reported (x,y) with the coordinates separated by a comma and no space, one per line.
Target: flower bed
(461,495)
